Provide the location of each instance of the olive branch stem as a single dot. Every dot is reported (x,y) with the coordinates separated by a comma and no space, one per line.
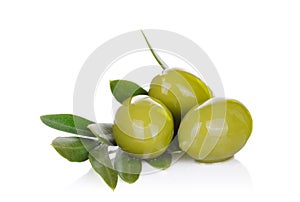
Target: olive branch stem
(162,64)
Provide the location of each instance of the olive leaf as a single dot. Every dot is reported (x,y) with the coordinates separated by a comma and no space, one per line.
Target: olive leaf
(156,56)
(123,89)
(68,123)
(101,163)
(74,149)
(162,162)
(129,168)
(103,131)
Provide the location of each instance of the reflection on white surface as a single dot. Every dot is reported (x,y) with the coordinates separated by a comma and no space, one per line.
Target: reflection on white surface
(88,182)
(184,174)
(211,176)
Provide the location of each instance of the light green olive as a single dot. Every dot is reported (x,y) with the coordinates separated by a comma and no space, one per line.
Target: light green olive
(215,130)
(179,91)
(143,127)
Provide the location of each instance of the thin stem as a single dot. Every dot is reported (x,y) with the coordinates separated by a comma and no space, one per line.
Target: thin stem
(157,58)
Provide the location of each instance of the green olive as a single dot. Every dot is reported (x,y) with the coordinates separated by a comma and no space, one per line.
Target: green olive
(215,130)
(179,91)
(143,127)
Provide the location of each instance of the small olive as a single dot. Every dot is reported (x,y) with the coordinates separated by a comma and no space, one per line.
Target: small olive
(143,127)
(179,91)
(215,130)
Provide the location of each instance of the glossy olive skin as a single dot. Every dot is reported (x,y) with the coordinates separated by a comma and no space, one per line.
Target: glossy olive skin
(143,127)
(215,130)
(179,91)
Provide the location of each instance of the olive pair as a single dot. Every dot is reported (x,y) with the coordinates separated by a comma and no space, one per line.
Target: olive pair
(209,129)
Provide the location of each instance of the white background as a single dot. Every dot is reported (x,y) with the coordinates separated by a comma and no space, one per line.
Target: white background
(255,46)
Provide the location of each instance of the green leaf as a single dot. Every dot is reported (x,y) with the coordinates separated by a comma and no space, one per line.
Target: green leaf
(123,89)
(129,168)
(68,123)
(103,131)
(162,162)
(74,149)
(156,56)
(101,163)
(90,143)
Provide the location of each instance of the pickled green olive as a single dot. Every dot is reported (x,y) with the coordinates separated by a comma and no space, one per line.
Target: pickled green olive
(215,130)
(179,91)
(143,127)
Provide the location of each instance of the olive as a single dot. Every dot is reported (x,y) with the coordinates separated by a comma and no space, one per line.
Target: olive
(143,127)
(179,91)
(215,130)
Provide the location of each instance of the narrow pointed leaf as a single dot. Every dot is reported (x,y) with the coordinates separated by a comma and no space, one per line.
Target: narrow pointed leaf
(101,163)
(90,143)
(68,123)
(162,162)
(156,56)
(74,149)
(129,168)
(103,131)
(123,89)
